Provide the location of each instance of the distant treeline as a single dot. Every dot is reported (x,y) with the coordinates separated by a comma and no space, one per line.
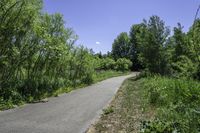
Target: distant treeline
(150,46)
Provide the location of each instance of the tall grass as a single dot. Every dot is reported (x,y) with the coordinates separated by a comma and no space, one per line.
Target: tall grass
(177,102)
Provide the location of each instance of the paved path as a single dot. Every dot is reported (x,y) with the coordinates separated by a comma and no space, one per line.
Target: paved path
(69,113)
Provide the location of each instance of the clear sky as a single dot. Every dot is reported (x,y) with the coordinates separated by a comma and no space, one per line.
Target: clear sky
(98,22)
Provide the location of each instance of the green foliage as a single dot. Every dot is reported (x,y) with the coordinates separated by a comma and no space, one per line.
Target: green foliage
(107,63)
(197,74)
(16,43)
(149,47)
(121,46)
(151,42)
(108,110)
(194,39)
(177,103)
(194,43)
(157,126)
(134,46)
(180,42)
(81,66)
(38,55)
(184,67)
(123,64)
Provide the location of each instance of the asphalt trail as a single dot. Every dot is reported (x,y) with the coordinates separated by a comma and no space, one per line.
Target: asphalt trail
(69,113)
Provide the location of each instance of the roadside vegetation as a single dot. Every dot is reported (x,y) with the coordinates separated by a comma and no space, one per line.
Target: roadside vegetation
(39,56)
(176,102)
(168,83)
(124,113)
(152,104)
(170,66)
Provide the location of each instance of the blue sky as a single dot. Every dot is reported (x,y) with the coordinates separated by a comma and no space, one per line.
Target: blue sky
(98,22)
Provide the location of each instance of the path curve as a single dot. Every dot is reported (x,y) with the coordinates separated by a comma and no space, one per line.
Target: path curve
(69,113)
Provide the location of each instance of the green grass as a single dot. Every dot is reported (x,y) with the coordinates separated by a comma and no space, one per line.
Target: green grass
(125,111)
(153,104)
(177,103)
(108,110)
(99,76)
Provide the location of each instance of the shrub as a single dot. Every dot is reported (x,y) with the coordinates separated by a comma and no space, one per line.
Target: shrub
(107,63)
(184,67)
(123,64)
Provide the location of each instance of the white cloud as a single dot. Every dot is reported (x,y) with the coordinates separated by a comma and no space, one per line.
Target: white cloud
(98,43)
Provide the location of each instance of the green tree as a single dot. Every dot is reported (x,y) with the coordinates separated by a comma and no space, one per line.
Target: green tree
(121,46)
(134,48)
(195,45)
(152,41)
(180,42)
(16,31)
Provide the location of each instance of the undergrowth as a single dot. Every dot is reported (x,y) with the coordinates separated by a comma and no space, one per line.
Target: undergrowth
(177,105)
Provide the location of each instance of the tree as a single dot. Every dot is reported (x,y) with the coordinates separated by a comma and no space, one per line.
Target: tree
(134,48)
(16,30)
(99,55)
(121,46)
(152,41)
(180,42)
(194,40)
(38,55)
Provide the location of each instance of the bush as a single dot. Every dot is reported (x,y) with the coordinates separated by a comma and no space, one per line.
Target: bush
(184,67)
(107,64)
(123,64)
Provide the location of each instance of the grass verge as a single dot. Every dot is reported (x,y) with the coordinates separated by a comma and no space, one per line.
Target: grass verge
(125,112)
(102,75)
(153,105)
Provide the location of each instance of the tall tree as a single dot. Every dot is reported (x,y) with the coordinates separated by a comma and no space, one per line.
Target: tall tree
(194,39)
(152,42)
(121,46)
(180,42)
(134,48)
